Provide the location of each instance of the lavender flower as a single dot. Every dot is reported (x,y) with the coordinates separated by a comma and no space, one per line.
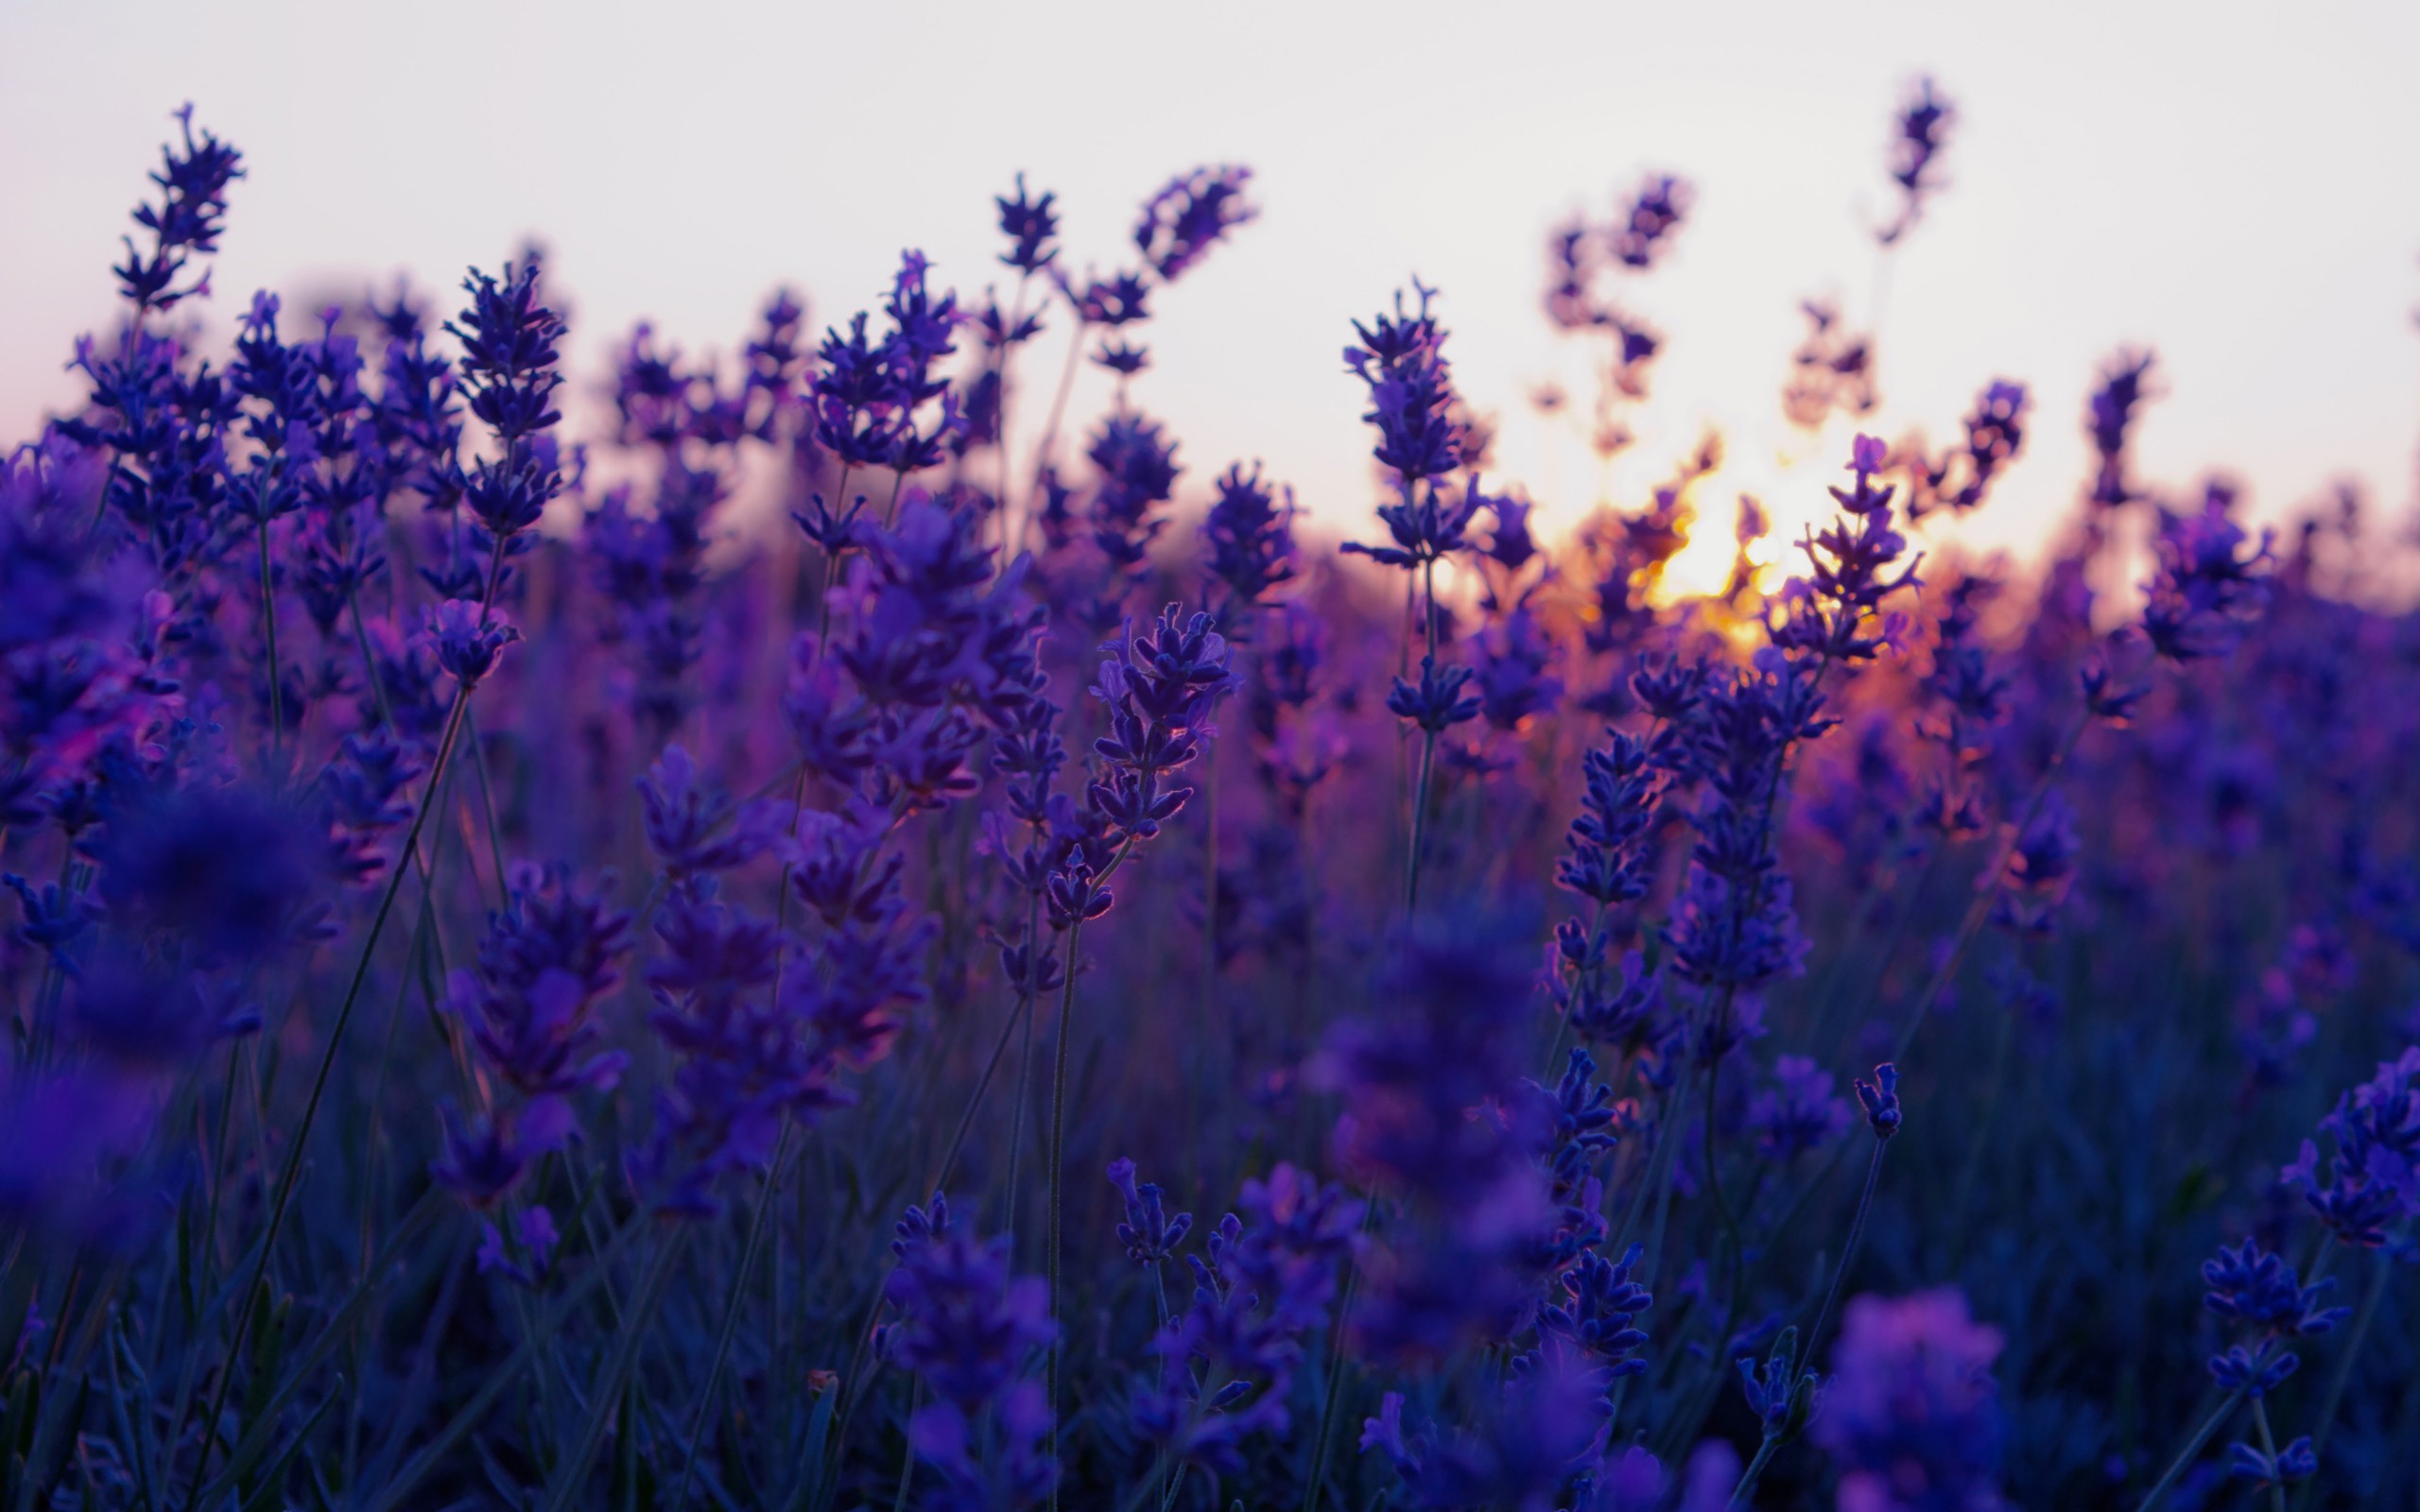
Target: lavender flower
(1251,538)
(549,955)
(692,829)
(2109,418)
(1880,1097)
(1401,360)
(220,875)
(466,638)
(1535,1438)
(193,179)
(1798,1112)
(1426,528)
(1411,1084)
(1190,216)
(1150,1236)
(1138,470)
(509,378)
(1656,210)
(967,1325)
(1923,122)
(2206,586)
(871,396)
(1436,703)
(1911,1417)
(2372,1181)
(1159,688)
(1031,227)
(1515,686)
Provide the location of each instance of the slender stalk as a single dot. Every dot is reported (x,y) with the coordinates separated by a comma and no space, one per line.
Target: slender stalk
(396,1492)
(1000,415)
(268,630)
(1978,1141)
(756,1226)
(853,1387)
(1051,430)
(1210,887)
(1419,821)
(1848,1250)
(1900,921)
(1748,1478)
(369,662)
(1989,886)
(571,1473)
(1025,992)
(2381,1272)
(487,803)
(1427,751)
(907,1451)
(1058,1147)
(1059,1175)
(2193,1448)
(291,1171)
(950,1153)
(2269,1447)
(1315,1480)
(831,558)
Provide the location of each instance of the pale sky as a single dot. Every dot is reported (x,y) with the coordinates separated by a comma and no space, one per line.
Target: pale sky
(2238,185)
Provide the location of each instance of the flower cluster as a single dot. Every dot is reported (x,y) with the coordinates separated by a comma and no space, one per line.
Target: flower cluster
(318,618)
(2372,1180)
(967,1325)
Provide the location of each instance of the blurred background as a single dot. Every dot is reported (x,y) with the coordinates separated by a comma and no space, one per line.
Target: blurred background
(2236,186)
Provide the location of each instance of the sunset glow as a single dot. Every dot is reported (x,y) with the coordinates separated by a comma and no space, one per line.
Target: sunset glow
(1328,758)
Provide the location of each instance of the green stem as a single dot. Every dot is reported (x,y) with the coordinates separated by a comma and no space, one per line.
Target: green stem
(397,1492)
(2184,1456)
(1988,886)
(268,630)
(853,1389)
(1317,1479)
(1419,821)
(908,1451)
(1025,992)
(1848,1250)
(2003,1037)
(1742,1493)
(1051,430)
(571,1473)
(2381,1272)
(1059,1150)
(289,1175)
(1059,1176)
(2269,1447)
(756,1226)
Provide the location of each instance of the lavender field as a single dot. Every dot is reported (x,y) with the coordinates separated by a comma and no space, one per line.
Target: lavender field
(771,944)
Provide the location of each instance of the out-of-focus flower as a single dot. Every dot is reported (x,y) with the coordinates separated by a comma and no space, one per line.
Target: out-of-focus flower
(2109,419)
(1798,1110)
(1251,535)
(2207,586)
(1912,1415)
(967,1325)
(1031,227)
(1923,124)
(1190,216)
